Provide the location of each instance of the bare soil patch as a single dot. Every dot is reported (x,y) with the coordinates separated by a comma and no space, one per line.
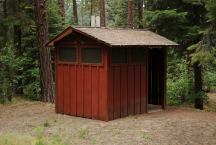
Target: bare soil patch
(175,126)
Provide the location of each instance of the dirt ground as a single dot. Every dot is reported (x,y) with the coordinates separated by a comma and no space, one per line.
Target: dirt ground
(175,126)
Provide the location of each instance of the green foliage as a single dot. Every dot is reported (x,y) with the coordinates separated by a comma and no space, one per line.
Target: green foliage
(177,90)
(169,23)
(194,2)
(10,65)
(55,21)
(30,81)
(201,96)
(179,80)
(21,75)
(211,7)
(210,77)
(117,13)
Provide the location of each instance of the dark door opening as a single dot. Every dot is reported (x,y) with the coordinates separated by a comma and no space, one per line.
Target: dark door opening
(155,79)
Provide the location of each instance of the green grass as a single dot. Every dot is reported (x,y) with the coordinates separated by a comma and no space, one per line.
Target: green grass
(40,138)
(144,136)
(83,133)
(16,139)
(17,100)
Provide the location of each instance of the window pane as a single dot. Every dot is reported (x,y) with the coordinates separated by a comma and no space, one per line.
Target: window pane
(67,54)
(119,55)
(138,55)
(92,55)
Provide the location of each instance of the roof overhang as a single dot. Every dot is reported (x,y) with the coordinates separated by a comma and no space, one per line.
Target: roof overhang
(70,30)
(60,36)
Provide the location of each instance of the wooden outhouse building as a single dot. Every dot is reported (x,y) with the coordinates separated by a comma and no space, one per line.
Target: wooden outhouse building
(105,73)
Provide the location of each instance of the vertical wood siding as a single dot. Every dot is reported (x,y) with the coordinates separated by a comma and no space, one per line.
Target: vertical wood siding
(82,90)
(127,89)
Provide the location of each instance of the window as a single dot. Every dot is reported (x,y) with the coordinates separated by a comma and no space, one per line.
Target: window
(119,55)
(92,55)
(67,54)
(138,55)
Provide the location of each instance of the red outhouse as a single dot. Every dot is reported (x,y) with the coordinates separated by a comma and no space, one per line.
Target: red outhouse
(104,73)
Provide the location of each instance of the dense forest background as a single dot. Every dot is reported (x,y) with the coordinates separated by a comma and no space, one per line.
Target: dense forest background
(191,23)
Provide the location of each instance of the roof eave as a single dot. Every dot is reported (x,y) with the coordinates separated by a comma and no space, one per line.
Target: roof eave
(68,31)
(173,45)
(60,36)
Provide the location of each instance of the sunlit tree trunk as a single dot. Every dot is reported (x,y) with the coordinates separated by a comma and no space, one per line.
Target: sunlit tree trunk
(130,17)
(46,77)
(102,13)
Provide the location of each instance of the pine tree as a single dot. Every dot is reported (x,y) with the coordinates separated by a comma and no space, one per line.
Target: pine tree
(46,77)
(130,15)
(102,13)
(75,15)
(140,13)
(62,8)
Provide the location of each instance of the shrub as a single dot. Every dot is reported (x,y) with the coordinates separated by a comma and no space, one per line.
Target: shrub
(9,66)
(179,80)
(210,79)
(31,84)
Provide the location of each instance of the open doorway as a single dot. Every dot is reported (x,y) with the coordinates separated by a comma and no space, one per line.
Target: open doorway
(156,79)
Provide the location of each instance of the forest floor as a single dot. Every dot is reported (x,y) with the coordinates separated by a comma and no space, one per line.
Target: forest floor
(175,126)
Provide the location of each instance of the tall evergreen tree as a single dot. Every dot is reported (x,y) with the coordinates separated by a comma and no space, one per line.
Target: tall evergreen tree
(102,13)
(140,13)
(5,15)
(62,8)
(75,15)
(130,15)
(46,77)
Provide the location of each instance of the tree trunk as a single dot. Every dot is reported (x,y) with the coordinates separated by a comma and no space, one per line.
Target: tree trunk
(102,13)
(46,77)
(61,7)
(18,39)
(17,28)
(130,17)
(140,13)
(75,16)
(198,85)
(91,12)
(146,4)
(5,29)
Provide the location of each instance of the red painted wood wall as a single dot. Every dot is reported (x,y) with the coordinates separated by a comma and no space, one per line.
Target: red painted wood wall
(81,89)
(103,92)
(128,89)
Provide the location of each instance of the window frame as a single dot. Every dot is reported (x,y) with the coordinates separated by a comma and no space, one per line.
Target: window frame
(91,64)
(131,56)
(119,64)
(67,62)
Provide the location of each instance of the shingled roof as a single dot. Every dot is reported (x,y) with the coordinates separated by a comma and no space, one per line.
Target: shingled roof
(118,37)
